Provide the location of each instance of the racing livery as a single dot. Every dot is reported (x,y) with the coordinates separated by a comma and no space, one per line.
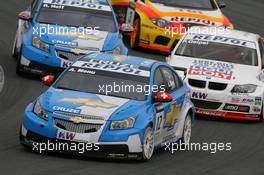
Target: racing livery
(52,34)
(159,24)
(225,73)
(75,109)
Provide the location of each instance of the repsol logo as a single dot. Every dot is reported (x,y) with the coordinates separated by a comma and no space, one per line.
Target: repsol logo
(193,20)
(199,95)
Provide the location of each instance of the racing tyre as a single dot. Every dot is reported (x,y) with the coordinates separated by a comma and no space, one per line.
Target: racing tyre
(187,131)
(134,36)
(148,144)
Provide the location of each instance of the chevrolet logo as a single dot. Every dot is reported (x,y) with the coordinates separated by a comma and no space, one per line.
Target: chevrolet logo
(77,51)
(76,120)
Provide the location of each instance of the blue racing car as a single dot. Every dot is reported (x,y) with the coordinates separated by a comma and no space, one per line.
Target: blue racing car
(123,106)
(52,34)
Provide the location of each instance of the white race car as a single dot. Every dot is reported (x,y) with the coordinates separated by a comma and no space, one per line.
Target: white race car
(225,72)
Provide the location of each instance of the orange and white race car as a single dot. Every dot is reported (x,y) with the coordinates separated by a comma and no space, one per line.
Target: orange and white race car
(159,24)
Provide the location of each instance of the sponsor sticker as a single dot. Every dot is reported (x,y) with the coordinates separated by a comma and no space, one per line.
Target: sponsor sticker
(221,39)
(63,109)
(199,95)
(112,67)
(258,101)
(89,102)
(88,4)
(66,135)
(211,69)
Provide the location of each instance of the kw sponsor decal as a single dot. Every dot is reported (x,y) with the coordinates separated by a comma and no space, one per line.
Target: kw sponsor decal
(64,135)
(211,69)
(79,36)
(89,102)
(172,116)
(199,95)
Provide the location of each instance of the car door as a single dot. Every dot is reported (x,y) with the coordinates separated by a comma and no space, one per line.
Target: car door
(159,107)
(172,110)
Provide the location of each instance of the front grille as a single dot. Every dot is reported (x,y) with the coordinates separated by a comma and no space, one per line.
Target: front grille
(197,83)
(217,86)
(162,40)
(68,55)
(78,128)
(206,104)
(83,116)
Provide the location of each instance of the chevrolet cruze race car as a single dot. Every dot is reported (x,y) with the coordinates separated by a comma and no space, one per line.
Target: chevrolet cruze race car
(224,72)
(124,123)
(52,34)
(159,24)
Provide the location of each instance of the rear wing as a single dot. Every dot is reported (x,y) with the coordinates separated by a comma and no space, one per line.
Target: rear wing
(182,72)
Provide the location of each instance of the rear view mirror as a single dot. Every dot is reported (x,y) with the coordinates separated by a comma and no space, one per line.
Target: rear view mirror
(25,15)
(48,80)
(127,28)
(221,4)
(163,97)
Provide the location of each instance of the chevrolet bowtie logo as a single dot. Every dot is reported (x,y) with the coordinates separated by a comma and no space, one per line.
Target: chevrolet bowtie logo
(76,120)
(77,51)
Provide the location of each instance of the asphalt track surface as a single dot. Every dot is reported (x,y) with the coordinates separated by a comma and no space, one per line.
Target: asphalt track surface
(246,157)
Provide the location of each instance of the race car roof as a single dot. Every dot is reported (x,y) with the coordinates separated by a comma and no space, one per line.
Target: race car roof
(132,60)
(235,34)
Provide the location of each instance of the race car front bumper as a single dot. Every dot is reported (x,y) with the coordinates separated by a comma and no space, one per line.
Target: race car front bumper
(40,62)
(233,108)
(112,144)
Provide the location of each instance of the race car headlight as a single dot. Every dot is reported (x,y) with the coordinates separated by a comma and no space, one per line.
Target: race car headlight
(161,22)
(123,124)
(247,88)
(39,44)
(39,111)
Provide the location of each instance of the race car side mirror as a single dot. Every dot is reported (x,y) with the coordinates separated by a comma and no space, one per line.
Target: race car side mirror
(221,4)
(163,97)
(25,15)
(48,80)
(127,28)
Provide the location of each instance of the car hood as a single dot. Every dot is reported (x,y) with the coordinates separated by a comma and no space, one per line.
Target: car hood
(70,38)
(222,72)
(207,17)
(88,104)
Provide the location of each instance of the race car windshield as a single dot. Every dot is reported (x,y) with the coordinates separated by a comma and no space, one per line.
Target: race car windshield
(218,52)
(196,4)
(105,83)
(78,17)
